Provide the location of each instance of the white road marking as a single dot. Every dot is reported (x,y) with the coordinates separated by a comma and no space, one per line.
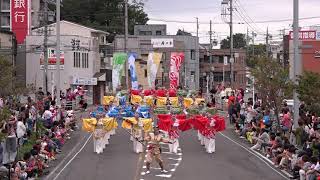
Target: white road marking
(73,157)
(173,170)
(143,173)
(164,175)
(176,164)
(249,151)
(64,159)
(167,153)
(179,159)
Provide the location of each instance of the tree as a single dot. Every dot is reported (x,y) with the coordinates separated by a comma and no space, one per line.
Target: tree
(308,90)
(105,15)
(183,33)
(8,83)
(255,52)
(6,76)
(239,41)
(272,83)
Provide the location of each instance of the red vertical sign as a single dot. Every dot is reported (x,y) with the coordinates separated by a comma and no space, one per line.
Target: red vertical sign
(175,64)
(20,19)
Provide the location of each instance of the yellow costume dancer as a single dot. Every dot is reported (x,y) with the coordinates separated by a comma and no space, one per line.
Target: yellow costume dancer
(98,136)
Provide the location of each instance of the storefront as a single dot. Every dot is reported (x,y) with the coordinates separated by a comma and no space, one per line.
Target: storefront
(88,85)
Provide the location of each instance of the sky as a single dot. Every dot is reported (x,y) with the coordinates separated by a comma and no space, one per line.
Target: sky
(246,12)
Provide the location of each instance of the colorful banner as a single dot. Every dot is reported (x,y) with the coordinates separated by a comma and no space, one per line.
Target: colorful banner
(153,65)
(20,19)
(117,69)
(175,64)
(133,73)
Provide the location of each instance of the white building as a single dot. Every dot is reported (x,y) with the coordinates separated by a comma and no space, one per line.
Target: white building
(80,55)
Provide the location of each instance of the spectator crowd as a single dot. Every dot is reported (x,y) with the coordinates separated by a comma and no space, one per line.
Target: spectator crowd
(290,148)
(33,134)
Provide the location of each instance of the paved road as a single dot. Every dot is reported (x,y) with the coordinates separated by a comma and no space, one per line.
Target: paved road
(118,162)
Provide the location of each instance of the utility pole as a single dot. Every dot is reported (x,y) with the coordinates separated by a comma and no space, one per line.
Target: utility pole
(253,48)
(45,48)
(58,50)
(126,40)
(231,44)
(210,56)
(297,60)
(210,33)
(197,27)
(247,43)
(267,43)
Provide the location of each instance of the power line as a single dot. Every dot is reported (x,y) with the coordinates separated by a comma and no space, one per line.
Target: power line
(261,22)
(182,9)
(246,14)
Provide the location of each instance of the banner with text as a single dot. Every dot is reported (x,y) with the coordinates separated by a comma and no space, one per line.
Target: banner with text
(117,69)
(154,59)
(52,59)
(175,64)
(133,73)
(20,14)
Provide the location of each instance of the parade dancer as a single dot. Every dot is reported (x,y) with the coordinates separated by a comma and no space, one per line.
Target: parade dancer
(174,137)
(138,136)
(154,149)
(211,137)
(98,136)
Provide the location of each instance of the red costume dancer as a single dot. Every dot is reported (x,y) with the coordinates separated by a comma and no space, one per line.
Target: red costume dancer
(174,138)
(172,93)
(165,122)
(147,92)
(161,93)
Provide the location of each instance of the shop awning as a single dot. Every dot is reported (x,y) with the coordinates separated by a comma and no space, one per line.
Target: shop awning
(100,76)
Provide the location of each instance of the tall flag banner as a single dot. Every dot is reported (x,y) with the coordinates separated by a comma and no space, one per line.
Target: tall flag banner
(133,73)
(154,59)
(175,65)
(117,69)
(20,19)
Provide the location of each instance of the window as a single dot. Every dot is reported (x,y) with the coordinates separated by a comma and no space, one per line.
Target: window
(158,33)
(5,5)
(5,21)
(145,73)
(221,59)
(193,55)
(85,60)
(145,33)
(76,59)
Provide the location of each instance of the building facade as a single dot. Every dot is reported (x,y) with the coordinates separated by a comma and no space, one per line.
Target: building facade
(8,45)
(309,50)
(215,70)
(150,30)
(142,45)
(5,18)
(80,60)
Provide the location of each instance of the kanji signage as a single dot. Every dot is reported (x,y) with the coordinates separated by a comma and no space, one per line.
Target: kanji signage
(305,35)
(162,43)
(20,19)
